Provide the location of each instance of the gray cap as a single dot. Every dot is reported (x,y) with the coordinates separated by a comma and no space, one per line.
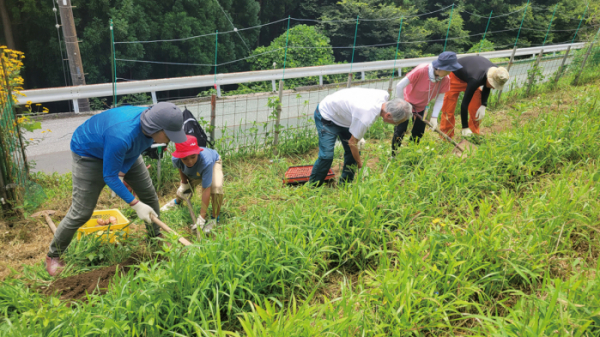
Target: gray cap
(164,116)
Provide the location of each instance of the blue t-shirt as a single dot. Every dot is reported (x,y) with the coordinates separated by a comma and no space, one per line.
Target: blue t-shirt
(203,169)
(114,136)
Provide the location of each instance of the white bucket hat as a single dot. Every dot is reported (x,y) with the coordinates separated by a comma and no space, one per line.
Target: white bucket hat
(497,76)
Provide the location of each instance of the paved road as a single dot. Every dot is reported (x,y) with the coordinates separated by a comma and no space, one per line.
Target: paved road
(51,153)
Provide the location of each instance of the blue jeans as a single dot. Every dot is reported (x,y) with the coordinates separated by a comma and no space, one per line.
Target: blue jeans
(328,134)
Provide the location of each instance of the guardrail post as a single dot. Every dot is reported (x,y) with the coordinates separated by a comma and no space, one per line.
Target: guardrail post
(154,100)
(278,119)
(76,106)
(510,63)
(219,91)
(362,75)
(273,86)
(349,80)
(587,54)
(390,86)
(562,65)
(213,116)
(320,82)
(533,71)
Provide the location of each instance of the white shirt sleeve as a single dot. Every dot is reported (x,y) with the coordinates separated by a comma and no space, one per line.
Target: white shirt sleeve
(400,87)
(437,107)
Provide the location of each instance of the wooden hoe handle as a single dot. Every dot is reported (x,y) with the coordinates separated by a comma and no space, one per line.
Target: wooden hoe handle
(162,225)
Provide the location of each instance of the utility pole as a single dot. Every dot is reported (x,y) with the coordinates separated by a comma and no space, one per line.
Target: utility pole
(74,57)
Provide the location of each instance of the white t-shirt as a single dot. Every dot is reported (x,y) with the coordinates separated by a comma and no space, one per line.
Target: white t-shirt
(353,108)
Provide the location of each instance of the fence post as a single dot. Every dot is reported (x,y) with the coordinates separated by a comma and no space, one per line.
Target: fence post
(390,86)
(510,63)
(213,116)
(278,119)
(154,99)
(320,80)
(532,75)
(587,54)
(562,65)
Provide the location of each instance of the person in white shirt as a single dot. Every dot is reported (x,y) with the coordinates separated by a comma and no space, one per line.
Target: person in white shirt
(347,114)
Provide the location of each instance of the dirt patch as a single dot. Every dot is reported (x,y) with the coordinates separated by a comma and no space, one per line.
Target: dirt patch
(97,281)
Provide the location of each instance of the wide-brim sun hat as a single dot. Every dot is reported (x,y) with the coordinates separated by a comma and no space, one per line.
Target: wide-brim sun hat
(187,148)
(447,61)
(497,76)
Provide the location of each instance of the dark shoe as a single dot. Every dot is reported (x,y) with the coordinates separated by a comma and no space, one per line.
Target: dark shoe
(54,265)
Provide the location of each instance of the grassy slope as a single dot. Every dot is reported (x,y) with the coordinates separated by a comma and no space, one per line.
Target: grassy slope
(502,243)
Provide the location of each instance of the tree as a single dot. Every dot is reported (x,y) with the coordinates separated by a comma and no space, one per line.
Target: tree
(306,47)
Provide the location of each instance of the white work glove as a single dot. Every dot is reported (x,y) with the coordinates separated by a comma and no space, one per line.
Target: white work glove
(466,132)
(480,113)
(199,223)
(434,123)
(184,191)
(144,211)
(361,144)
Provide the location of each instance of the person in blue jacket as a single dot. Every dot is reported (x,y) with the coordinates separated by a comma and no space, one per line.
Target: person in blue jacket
(104,145)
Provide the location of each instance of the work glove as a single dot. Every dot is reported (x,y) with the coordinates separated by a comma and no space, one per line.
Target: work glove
(184,191)
(480,113)
(144,211)
(466,132)
(434,123)
(199,223)
(361,144)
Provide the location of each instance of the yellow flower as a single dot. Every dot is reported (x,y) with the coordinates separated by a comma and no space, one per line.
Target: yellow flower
(436,220)
(29,102)
(442,224)
(38,104)
(43,131)
(30,138)
(3,47)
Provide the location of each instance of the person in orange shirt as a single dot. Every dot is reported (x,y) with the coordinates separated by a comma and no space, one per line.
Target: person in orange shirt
(476,71)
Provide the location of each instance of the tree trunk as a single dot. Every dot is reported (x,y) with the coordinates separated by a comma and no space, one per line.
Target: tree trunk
(6,25)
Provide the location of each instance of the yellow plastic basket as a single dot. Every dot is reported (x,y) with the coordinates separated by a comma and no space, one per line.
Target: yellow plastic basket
(105,232)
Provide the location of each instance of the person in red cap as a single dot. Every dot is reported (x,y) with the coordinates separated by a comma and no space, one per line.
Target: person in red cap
(199,164)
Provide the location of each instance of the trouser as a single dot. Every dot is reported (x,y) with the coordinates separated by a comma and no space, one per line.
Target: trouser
(216,187)
(328,133)
(88,183)
(418,130)
(450,99)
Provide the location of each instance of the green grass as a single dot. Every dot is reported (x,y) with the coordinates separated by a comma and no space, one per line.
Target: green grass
(503,243)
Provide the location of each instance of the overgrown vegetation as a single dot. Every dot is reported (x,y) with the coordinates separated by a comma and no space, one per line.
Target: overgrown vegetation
(502,243)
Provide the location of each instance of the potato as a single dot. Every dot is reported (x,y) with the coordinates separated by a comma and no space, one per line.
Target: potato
(112,220)
(101,222)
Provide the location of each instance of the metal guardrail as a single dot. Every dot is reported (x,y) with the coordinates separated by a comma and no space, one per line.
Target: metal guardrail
(152,86)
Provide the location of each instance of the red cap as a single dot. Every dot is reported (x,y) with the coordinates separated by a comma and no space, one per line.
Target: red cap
(187,148)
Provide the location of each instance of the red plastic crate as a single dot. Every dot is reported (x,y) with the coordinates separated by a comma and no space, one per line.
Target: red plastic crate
(301,174)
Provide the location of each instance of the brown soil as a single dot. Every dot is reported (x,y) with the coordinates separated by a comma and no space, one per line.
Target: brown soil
(97,281)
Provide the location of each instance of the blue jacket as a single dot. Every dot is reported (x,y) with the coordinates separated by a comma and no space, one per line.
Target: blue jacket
(115,137)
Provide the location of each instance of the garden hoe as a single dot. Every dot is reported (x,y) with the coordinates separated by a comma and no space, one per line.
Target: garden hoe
(189,207)
(162,225)
(46,215)
(459,148)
